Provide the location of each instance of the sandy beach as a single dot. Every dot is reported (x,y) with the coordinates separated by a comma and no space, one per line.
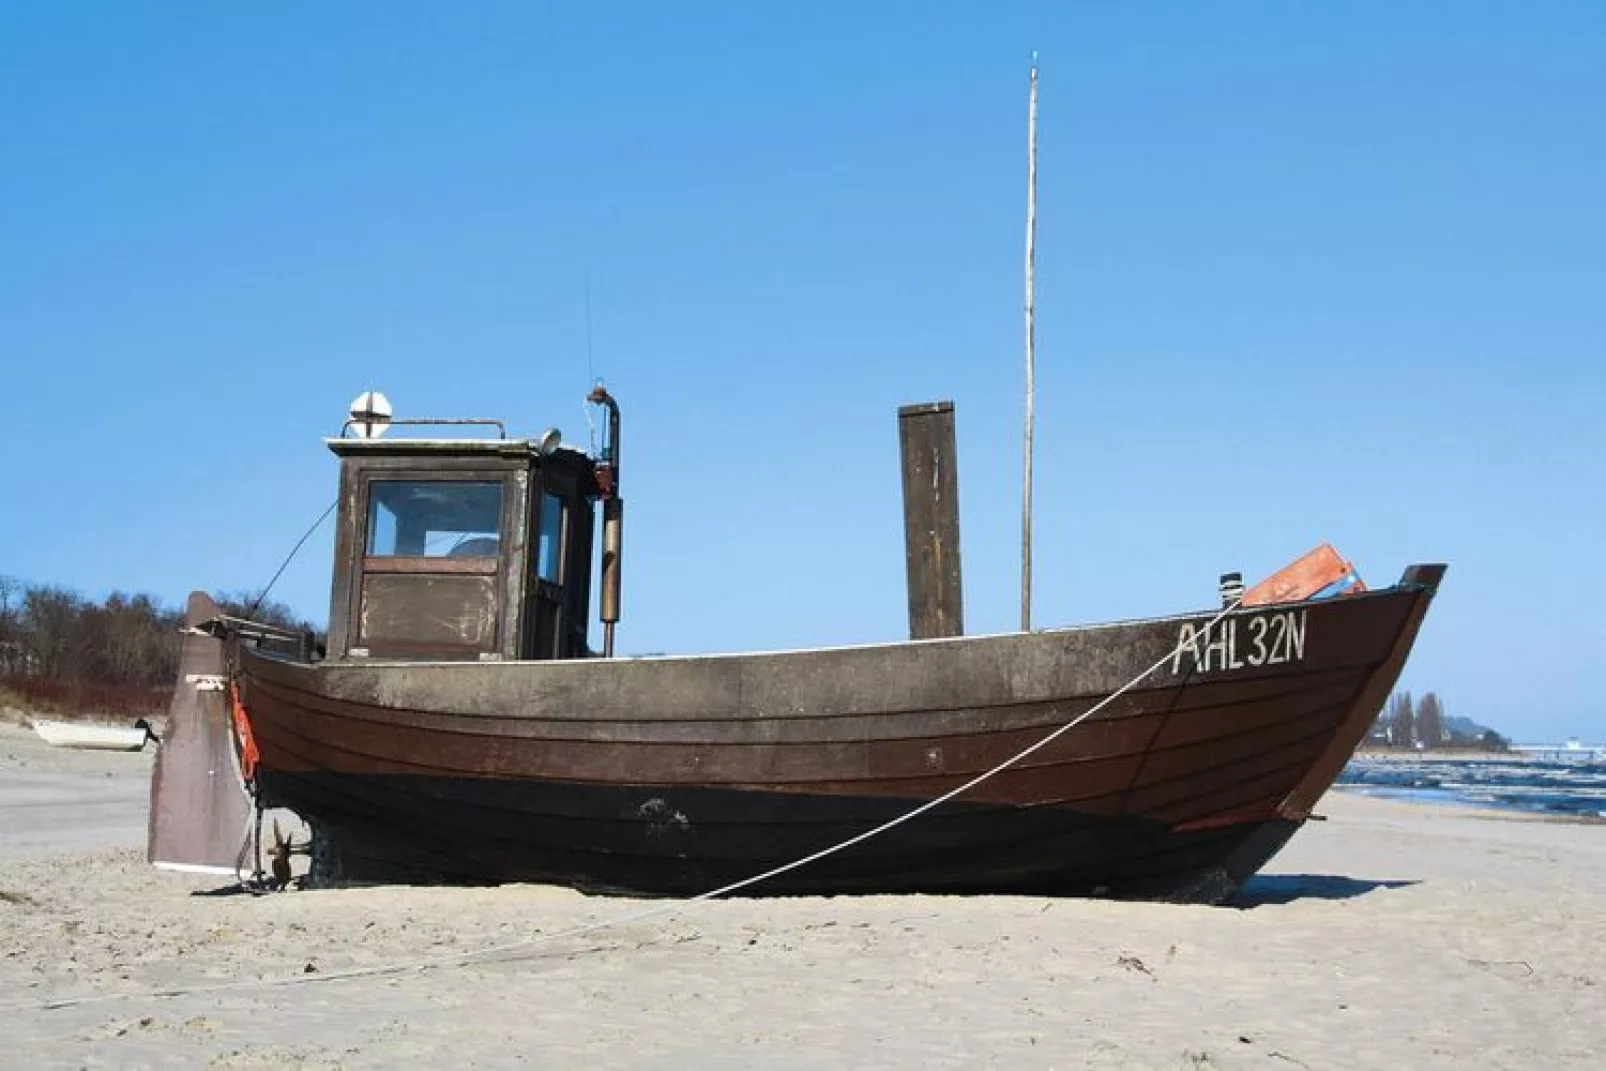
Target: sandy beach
(1391,935)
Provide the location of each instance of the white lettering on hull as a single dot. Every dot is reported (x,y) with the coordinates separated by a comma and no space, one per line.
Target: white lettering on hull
(1263,640)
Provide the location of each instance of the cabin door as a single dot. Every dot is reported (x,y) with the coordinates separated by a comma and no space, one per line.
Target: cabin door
(546,622)
(428,582)
(560,575)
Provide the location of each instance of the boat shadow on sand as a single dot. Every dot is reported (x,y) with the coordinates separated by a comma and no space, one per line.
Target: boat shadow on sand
(1259,891)
(1265,889)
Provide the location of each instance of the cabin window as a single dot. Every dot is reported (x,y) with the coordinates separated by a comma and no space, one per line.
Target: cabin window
(434,518)
(549,543)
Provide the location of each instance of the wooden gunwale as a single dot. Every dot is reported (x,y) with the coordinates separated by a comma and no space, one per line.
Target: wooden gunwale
(1383,594)
(579,691)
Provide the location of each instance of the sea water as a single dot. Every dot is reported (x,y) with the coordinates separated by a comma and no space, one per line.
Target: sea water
(1505,783)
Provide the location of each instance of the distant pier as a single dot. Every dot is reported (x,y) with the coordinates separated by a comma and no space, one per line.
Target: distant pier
(1570,751)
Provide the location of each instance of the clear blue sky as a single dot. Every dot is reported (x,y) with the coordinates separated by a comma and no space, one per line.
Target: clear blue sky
(1307,272)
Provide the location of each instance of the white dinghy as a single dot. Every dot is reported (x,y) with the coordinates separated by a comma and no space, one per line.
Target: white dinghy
(94,737)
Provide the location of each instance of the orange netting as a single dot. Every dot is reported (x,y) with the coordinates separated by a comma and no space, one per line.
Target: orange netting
(249,756)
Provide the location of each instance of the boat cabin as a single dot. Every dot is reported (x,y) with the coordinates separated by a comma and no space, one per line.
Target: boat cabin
(461,549)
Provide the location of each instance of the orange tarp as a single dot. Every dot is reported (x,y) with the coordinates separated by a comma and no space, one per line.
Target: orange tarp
(1304,578)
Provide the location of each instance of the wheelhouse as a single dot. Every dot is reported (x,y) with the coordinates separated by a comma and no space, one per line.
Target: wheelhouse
(462,549)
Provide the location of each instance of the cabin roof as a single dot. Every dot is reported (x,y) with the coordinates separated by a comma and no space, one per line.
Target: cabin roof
(486,448)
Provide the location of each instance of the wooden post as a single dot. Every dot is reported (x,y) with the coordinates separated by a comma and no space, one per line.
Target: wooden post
(931,519)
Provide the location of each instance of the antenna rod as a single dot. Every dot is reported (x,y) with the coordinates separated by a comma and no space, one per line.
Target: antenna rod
(1031,356)
(591,371)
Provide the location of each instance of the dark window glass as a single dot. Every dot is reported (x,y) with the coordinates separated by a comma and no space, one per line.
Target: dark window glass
(549,546)
(434,518)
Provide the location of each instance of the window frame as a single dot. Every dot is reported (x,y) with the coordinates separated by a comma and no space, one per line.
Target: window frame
(560,556)
(353,541)
(370,515)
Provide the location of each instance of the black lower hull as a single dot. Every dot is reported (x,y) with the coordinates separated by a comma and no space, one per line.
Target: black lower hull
(682,842)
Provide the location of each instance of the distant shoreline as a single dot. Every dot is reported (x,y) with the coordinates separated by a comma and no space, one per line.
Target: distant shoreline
(1460,808)
(1437,755)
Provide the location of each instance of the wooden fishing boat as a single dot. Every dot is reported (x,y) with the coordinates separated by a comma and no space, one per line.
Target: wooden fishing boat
(459,727)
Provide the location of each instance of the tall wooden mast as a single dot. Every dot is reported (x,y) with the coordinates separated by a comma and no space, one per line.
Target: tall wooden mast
(1031,356)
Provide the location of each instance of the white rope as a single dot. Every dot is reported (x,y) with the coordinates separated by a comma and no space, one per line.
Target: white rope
(669,908)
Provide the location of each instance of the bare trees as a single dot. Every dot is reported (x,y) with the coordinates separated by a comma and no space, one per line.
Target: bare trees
(1430,728)
(1400,720)
(1422,725)
(50,630)
(61,651)
(10,618)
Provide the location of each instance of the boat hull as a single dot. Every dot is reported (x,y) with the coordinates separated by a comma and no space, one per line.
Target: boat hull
(690,841)
(678,776)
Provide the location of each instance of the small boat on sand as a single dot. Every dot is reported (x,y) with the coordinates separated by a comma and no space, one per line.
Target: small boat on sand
(93,737)
(458,725)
